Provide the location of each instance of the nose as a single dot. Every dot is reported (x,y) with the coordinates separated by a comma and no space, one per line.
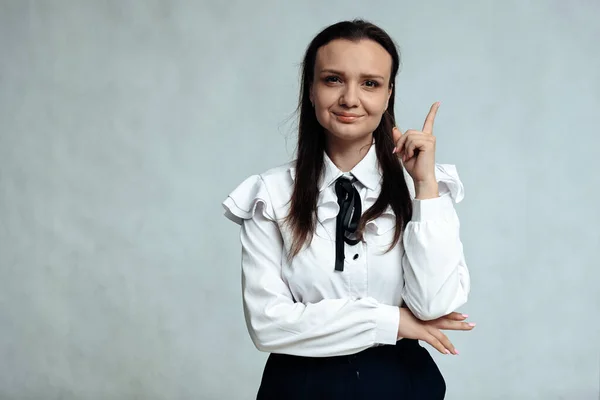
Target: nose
(349,96)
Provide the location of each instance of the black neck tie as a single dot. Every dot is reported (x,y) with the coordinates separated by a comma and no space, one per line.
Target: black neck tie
(347,219)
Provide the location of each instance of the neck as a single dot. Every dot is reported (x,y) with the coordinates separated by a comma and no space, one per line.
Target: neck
(346,154)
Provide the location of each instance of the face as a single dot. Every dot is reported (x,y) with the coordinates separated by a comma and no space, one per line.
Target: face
(351,88)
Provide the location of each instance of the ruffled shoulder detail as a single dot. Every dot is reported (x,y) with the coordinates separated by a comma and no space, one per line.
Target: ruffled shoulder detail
(449,181)
(243,201)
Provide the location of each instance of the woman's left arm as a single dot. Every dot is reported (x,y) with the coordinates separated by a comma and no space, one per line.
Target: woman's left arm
(436,278)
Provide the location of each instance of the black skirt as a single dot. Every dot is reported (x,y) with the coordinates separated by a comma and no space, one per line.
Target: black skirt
(405,371)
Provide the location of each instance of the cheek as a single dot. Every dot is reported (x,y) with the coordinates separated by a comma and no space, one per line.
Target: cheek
(325,100)
(326,97)
(322,113)
(375,105)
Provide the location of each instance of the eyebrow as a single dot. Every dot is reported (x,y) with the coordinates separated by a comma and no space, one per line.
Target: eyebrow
(332,71)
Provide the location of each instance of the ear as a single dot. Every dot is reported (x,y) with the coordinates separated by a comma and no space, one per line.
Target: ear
(387,101)
(311,96)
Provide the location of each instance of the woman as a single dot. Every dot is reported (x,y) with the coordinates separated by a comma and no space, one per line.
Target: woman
(351,253)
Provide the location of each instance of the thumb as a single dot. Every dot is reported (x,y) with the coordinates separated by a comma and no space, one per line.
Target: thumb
(396,134)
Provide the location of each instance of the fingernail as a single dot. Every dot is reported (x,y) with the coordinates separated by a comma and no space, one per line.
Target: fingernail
(466,315)
(472,324)
(394,151)
(448,351)
(456,352)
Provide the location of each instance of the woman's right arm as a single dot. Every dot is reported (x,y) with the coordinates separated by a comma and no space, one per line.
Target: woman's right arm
(278,324)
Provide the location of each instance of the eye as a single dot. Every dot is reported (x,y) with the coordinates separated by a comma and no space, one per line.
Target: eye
(332,79)
(372,84)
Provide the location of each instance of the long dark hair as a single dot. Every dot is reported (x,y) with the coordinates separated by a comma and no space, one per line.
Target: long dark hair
(311,144)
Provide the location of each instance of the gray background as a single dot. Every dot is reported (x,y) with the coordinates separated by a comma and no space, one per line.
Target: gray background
(123,125)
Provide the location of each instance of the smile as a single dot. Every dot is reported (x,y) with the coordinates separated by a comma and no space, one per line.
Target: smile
(347,117)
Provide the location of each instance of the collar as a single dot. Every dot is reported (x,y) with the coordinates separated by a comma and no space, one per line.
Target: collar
(367,171)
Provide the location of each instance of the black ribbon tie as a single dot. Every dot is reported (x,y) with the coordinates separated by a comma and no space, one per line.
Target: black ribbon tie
(347,219)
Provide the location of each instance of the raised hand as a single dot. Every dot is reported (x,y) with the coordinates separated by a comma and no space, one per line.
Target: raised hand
(417,149)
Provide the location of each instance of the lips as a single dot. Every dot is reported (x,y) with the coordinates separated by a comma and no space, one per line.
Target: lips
(346,117)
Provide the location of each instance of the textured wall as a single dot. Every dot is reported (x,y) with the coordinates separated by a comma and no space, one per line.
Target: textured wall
(124,124)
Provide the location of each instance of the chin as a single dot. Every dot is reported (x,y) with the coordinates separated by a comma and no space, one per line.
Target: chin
(349,131)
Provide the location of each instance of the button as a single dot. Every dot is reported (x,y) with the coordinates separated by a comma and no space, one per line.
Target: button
(355,256)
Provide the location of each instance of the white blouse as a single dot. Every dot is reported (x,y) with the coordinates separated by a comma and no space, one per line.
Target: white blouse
(304,306)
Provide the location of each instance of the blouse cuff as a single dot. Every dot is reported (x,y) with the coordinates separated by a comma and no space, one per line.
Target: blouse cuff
(433,209)
(386,319)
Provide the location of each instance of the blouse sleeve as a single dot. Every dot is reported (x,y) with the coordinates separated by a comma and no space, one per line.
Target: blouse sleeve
(275,321)
(436,278)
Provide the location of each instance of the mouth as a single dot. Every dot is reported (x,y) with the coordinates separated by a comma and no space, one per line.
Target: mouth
(346,117)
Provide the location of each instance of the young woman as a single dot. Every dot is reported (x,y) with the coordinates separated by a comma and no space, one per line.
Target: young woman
(351,253)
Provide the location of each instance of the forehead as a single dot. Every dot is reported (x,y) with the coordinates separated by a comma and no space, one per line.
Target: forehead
(361,57)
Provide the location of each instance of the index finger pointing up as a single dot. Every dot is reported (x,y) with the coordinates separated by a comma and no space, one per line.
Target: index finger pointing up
(428,125)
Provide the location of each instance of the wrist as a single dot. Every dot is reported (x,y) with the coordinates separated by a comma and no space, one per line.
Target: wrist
(428,189)
(398,336)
